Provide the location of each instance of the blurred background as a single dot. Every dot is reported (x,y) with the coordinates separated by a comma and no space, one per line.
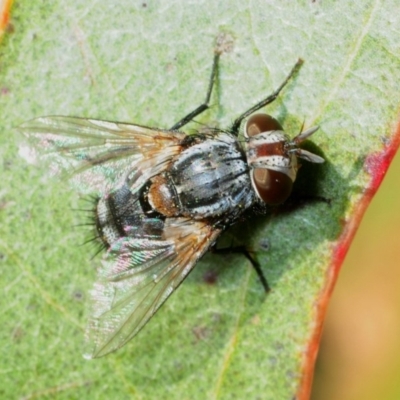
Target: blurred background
(359,355)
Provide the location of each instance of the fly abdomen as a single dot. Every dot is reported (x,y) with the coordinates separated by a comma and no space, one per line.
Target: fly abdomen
(120,214)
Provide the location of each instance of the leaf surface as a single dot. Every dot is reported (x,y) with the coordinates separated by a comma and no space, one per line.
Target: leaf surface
(149,64)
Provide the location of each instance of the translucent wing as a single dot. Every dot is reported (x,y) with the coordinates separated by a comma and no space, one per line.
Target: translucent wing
(136,278)
(101,155)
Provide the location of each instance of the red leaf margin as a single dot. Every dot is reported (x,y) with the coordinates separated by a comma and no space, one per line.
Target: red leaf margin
(375,164)
(5,7)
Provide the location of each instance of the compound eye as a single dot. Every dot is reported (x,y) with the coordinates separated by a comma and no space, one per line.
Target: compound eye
(273,187)
(259,123)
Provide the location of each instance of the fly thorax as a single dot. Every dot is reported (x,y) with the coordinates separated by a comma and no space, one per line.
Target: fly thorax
(208,180)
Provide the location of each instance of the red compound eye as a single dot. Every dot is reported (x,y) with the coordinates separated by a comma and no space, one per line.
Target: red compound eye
(273,187)
(258,123)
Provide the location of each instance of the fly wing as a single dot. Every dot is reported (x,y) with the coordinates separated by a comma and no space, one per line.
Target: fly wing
(101,155)
(137,276)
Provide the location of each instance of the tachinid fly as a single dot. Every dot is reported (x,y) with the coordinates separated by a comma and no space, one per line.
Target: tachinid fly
(164,197)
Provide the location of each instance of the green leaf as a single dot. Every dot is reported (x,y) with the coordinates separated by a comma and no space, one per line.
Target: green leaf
(149,64)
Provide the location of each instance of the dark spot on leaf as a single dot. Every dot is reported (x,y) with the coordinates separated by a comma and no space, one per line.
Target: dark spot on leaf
(78,295)
(264,244)
(210,277)
(201,332)
(17,334)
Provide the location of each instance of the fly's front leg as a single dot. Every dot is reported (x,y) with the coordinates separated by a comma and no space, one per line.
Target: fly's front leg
(267,100)
(205,105)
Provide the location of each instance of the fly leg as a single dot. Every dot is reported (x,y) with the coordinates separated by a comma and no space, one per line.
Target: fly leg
(236,125)
(245,251)
(205,105)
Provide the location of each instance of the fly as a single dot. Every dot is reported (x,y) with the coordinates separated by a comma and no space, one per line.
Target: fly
(164,197)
